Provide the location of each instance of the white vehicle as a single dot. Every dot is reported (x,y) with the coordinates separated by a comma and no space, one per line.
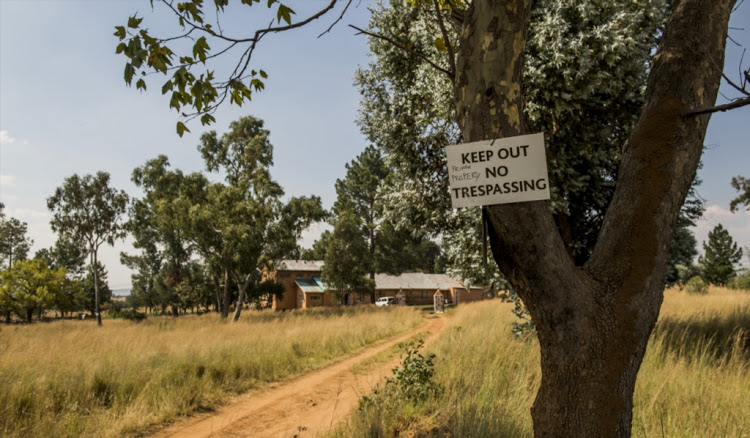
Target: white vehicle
(385,301)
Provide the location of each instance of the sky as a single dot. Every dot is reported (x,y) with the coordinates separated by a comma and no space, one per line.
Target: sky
(65,109)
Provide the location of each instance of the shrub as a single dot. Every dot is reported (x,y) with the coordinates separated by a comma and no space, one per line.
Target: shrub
(696,285)
(741,281)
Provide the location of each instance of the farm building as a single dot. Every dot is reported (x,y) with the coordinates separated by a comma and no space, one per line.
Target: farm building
(303,287)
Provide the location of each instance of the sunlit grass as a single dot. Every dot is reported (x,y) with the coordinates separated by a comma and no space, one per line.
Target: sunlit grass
(694,381)
(70,378)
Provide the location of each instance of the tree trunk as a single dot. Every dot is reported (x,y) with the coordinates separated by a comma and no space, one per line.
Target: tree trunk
(97,309)
(594,322)
(227,296)
(241,299)
(216,292)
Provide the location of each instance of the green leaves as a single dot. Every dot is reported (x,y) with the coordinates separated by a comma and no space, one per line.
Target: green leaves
(440,45)
(194,93)
(181,129)
(200,48)
(134,22)
(129,72)
(283,13)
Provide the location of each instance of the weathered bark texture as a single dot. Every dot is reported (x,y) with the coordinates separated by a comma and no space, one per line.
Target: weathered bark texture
(97,308)
(594,322)
(227,296)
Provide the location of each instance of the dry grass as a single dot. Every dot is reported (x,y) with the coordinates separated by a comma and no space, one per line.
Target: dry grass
(694,382)
(71,378)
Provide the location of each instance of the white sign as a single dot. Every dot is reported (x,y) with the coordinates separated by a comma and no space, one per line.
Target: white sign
(507,170)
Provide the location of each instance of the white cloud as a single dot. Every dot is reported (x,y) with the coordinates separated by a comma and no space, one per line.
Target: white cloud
(7,180)
(27,214)
(5,138)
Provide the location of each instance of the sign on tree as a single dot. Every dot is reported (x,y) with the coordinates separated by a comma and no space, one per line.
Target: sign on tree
(501,171)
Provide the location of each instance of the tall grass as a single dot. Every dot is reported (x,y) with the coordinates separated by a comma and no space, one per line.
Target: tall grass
(73,379)
(694,381)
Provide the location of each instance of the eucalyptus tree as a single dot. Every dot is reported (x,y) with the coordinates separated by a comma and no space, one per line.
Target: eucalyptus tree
(86,210)
(244,225)
(164,251)
(238,227)
(594,310)
(14,244)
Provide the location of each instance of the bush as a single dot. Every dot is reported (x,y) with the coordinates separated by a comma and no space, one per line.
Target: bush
(411,382)
(696,285)
(741,281)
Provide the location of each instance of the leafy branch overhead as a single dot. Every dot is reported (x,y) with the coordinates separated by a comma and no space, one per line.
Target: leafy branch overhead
(194,90)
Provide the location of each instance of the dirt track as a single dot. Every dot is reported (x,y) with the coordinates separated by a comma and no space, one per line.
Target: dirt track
(306,406)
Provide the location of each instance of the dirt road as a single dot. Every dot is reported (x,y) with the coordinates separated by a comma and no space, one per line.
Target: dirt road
(306,406)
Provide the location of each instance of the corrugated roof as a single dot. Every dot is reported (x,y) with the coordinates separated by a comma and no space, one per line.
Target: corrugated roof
(313,285)
(416,280)
(298,265)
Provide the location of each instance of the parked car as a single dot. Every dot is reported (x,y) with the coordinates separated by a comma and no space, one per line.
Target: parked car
(385,301)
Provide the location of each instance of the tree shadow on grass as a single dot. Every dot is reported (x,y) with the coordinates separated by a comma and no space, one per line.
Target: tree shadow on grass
(717,337)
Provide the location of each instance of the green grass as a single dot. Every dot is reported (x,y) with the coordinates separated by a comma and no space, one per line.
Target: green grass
(70,378)
(694,381)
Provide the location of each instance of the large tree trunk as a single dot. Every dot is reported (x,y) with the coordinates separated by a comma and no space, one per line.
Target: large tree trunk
(216,293)
(241,299)
(97,309)
(594,322)
(227,296)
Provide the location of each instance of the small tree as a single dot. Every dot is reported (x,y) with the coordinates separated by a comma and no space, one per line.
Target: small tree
(14,244)
(89,212)
(721,255)
(347,257)
(30,287)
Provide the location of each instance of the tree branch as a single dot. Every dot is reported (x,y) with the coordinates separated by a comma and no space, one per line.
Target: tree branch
(720,108)
(446,40)
(348,3)
(402,47)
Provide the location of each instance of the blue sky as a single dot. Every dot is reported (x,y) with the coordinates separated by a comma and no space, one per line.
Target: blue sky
(65,109)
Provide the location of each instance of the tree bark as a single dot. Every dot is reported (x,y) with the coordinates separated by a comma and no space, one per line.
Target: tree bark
(241,298)
(97,309)
(216,293)
(594,322)
(227,296)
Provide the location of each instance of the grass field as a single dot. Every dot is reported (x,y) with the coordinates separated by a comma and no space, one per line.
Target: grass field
(70,378)
(694,382)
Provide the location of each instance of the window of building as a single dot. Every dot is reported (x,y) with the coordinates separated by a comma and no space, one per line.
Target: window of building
(300,275)
(360,297)
(314,297)
(283,275)
(423,294)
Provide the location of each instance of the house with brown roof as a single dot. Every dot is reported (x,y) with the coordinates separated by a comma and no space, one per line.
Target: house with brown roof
(303,287)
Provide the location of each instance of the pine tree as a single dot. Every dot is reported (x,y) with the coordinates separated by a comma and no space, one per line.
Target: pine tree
(721,255)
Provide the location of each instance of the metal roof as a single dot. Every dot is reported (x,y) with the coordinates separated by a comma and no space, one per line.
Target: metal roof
(416,280)
(299,265)
(313,285)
